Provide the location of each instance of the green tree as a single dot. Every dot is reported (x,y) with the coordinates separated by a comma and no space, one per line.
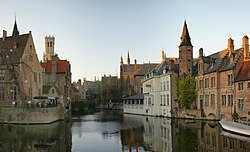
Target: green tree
(186,91)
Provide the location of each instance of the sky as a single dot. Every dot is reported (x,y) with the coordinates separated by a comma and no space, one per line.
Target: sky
(94,34)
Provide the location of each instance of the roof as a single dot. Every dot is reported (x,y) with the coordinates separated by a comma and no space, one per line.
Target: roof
(244,73)
(15,30)
(221,61)
(146,68)
(62,66)
(137,96)
(185,38)
(14,46)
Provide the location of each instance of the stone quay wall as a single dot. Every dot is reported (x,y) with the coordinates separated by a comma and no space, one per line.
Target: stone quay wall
(31,115)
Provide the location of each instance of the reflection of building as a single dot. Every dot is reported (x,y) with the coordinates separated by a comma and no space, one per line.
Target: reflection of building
(20,71)
(156,135)
(36,138)
(56,72)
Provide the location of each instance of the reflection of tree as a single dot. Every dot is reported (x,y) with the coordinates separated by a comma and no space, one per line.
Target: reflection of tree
(188,140)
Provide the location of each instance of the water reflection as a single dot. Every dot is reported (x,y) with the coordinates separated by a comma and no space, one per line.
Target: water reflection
(116,132)
(25,138)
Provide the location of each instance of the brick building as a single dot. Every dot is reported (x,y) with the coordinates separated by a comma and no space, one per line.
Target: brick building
(131,76)
(56,73)
(20,71)
(222,81)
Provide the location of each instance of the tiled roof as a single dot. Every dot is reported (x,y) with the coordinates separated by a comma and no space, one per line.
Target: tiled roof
(62,66)
(146,68)
(244,73)
(137,96)
(14,46)
(220,61)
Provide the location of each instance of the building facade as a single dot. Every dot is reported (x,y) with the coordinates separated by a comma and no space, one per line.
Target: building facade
(131,76)
(56,73)
(157,98)
(220,81)
(20,71)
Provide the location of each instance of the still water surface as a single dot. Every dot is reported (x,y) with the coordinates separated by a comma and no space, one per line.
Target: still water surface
(114,132)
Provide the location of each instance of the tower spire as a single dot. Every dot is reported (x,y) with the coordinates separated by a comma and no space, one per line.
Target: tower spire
(121,60)
(15,29)
(128,59)
(185,38)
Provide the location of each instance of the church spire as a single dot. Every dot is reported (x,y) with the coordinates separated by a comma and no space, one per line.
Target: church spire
(121,61)
(185,38)
(15,29)
(128,59)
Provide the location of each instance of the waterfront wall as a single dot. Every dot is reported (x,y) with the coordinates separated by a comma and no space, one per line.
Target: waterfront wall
(30,115)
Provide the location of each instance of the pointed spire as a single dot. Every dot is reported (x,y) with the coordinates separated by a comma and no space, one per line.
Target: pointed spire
(121,60)
(15,29)
(185,38)
(128,59)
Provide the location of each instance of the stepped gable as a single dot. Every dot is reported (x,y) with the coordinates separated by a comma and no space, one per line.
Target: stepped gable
(220,61)
(244,73)
(230,64)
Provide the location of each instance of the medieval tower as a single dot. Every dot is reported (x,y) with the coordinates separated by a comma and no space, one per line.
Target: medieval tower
(49,48)
(185,53)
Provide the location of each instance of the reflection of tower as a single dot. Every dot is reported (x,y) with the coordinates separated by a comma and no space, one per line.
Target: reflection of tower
(49,48)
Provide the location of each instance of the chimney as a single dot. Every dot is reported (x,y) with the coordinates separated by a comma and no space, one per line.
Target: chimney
(201,52)
(171,65)
(80,82)
(162,55)
(4,34)
(230,46)
(245,46)
(135,66)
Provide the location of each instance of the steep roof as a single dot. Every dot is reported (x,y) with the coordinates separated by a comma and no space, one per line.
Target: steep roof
(13,46)
(15,29)
(244,73)
(185,38)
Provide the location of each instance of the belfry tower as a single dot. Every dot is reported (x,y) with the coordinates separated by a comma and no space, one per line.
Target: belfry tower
(49,48)
(185,53)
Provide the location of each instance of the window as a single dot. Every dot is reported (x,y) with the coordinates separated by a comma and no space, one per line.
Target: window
(168,100)
(164,85)
(229,80)
(212,100)
(207,83)
(240,103)
(201,84)
(2,92)
(206,100)
(230,100)
(48,44)
(161,99)
(164,100)
(224,100)
(2,73)
(212,82)
(248,85)
(53,91)
(13,93)
(240,86)
(167,85)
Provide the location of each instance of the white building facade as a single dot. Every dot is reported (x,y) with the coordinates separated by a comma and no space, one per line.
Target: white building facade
(156,97)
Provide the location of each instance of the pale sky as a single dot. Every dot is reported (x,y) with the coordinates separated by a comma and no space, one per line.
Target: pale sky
(93,34)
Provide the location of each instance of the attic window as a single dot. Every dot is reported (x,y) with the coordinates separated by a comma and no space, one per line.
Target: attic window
(53,91)
(14,45)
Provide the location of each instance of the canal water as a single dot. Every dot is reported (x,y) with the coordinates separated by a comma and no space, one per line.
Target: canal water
(115,132)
